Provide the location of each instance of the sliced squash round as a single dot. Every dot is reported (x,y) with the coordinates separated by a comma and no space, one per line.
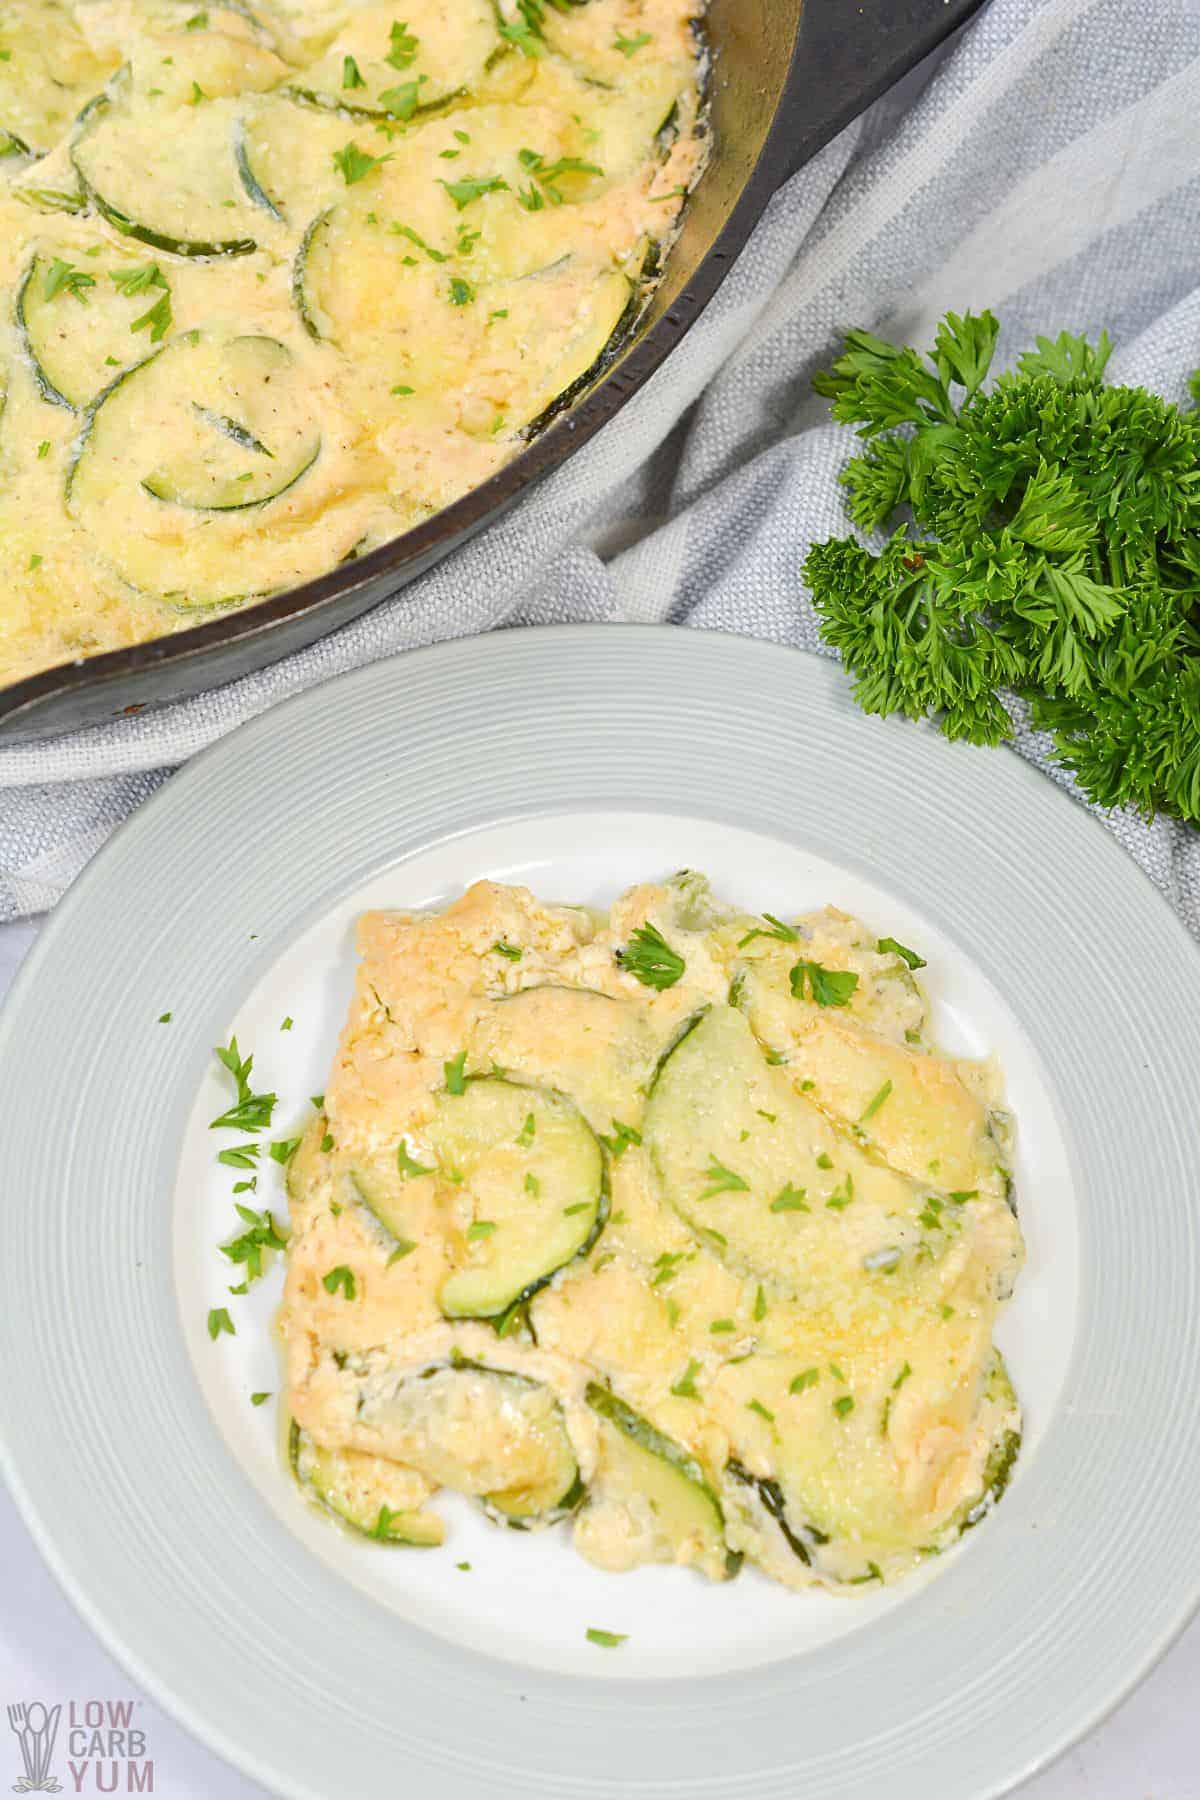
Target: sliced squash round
(376,1498)
(495,1435)
(75,336)
(190,203)
(532,1177)
(220,428)
(653,1481)
(384,66)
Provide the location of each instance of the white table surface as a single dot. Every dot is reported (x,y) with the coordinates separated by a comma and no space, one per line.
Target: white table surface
(1148,1750)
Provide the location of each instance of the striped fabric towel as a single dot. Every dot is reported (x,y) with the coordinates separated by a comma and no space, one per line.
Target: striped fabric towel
(1047,167)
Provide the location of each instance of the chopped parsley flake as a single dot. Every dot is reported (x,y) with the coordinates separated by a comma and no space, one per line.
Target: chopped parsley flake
(454,1071)
(283,1150)
(627,45)
(261,1397)
(461,292)
(165,1018)
(650,959)
(351,74)
(354,165)
(43,449)
(247,1250)
(138,278)
(402,52)
(827,987)
(722,1180)
(219,1321)
(480,1228)
(877,1100)
(790,1199)
(251,1112)
(774,928)
(401,102)
(240,1156)
(719,1325)
(760,1305)
(620,1140)
(807,1378)
(407,1165)
(685,1387)
(472,187)
(889,946)
(841,1196)
(528,1131)
(843,1406)
(510,951)
(608,1640)
(342,1278)
(414,237)
(64,278)
(756,1406)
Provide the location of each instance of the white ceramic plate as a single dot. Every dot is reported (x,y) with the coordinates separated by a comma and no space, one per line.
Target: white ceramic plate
(581,760)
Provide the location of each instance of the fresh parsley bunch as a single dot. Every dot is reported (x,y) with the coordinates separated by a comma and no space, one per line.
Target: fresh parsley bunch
(1050,548)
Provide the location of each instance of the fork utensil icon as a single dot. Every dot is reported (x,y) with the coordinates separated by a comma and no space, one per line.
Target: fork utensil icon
(35,1730)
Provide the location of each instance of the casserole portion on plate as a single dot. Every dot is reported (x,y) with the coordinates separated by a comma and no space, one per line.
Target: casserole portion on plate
(673,1222)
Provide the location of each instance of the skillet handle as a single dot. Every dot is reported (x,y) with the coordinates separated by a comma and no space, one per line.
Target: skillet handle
(848,52)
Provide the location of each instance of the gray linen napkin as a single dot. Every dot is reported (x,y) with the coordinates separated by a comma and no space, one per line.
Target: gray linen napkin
(1049,167)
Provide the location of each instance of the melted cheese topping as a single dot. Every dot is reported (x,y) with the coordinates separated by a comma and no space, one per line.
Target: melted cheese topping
(773,1224)
(441,216)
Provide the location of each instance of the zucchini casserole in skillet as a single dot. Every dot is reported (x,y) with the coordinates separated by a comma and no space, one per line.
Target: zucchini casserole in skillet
(282,280)
(672,1222)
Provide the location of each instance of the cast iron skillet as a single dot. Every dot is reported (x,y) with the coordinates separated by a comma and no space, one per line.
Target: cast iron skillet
(787,76)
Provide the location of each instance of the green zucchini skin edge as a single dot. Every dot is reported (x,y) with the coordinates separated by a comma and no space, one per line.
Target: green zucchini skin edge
(45,386)
(646,1436)
(159,240)
(562,1508)
(89,416)
(145,234)
(685,1031)
(619,337)
(254,189)
(298,267)
(585,1249)
(347,1524)
(240,505)
(771,1495)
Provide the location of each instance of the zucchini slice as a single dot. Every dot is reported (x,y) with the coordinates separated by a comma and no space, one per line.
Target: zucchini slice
(912,1108)
(283,155)
(73,341)
(761,1176)
(374,1497)
(167,441)
(380,66)
(497,1436)
(648,1477)
(584,1043)
(533,1175)
(531,343)
(48,71)
(190,203)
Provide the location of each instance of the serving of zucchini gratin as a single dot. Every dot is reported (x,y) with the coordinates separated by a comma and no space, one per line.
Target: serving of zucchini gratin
(671,1222)
(281,280)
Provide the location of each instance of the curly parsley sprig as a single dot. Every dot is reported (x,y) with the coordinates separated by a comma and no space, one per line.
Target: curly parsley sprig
(1052,551)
